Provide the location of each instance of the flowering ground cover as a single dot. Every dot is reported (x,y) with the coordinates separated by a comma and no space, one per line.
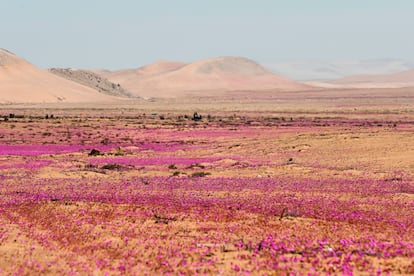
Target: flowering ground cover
(144,195)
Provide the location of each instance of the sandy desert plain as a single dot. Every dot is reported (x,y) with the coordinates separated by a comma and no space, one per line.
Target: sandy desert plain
(309,182)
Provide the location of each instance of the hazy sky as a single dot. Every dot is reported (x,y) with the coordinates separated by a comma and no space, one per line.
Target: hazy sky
(130,33)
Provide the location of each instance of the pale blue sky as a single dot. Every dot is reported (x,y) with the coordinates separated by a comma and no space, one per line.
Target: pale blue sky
(131,33)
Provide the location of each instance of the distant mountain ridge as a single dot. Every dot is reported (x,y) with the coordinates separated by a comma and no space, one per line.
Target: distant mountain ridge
(321,70)
(400,77)
(175,79)
(404,79)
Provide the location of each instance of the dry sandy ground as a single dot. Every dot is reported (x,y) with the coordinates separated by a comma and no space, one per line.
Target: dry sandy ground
(351,103)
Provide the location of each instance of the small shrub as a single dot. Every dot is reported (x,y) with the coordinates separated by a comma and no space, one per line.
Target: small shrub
(120,152)
(163,219)
(90,166)
(105,141)
(288,213)
(111,167)
(176,173)
(172,167)
(200,174)
(95,152)
(196,166)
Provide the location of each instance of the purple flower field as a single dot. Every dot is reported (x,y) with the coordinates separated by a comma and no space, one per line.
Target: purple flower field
(299,197)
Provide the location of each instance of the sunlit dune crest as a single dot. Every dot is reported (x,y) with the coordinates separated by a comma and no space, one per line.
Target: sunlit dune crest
(22,82)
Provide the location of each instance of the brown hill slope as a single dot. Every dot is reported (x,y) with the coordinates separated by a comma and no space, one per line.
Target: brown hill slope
(21,82)
(205,77)
(92,80)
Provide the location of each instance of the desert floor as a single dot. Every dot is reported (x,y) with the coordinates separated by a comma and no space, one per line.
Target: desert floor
(265,186)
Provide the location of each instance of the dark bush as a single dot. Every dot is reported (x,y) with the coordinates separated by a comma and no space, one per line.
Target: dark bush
(95,152)
(200,174)
(176,173)
(111,167)
(197,117)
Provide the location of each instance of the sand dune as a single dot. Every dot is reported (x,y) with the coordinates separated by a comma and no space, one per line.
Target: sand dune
(128,75)
(21,82)
(159,68)
(217,75)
